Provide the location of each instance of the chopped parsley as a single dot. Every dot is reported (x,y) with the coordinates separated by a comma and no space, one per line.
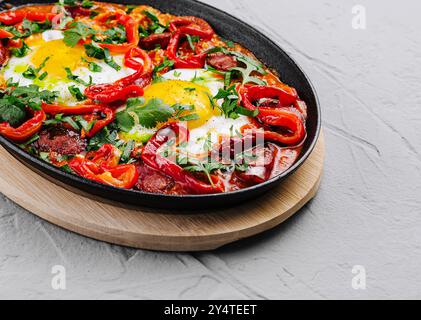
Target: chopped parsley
(192,40)
(20,52)
(76,78)
(115,35)
(95,51)
(167,63)
(130,8)
(32,72)
(230,106)
(75,91)
(156,27)
(249,67)
(92,65)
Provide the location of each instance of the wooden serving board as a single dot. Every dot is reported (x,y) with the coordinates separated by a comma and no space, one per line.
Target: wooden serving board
(157,229)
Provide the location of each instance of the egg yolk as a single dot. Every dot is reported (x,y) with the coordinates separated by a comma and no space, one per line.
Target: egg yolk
(60,56)
(185,93)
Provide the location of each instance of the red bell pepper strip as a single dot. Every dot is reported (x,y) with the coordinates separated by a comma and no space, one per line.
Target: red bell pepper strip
(193,26)
(152,157)
(130,86)
(17,16)
(63,109)
(99,123)
(275,116)
(285,119)
(5,34)
(102,166)
(108,93)
(250,94)
(107,156)
(15,43)
(90,110)
(26,130)
(132,32)
(130,60)
(193,62)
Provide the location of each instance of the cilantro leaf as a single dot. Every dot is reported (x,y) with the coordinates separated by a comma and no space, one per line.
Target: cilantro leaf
(14,101)
(10,112)
(28,28)
(105,136)
(147,115)
(78,31)
(125,121)
(127,151)
(153,112)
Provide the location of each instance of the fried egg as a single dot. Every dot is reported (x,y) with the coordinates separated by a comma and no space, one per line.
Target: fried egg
(49,44)
(195,87)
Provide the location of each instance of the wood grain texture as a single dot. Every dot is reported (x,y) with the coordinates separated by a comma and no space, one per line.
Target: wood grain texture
(157,229)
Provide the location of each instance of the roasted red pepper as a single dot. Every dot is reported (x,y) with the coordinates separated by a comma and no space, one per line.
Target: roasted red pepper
(130,60)
(78,109)
(275,116)
(107,156)
(5,34)
(17,16)
(26,130)
(132,31)
(195,61)
(152,157)
(101,117)
(250,94)
(102,166)
(130,86)
(193,26)
(108,93)
(92,112)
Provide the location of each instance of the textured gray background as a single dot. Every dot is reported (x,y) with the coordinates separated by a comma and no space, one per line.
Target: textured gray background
(366,213)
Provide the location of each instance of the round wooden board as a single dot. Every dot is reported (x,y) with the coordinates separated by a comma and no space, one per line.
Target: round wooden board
(156,229)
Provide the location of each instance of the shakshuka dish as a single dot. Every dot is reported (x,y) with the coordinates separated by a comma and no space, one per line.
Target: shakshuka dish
(133,98)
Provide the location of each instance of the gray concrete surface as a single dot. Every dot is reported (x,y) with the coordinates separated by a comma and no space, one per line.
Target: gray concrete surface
(368,210)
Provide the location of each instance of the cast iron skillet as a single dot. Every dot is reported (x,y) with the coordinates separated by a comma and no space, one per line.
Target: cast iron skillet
(228,27)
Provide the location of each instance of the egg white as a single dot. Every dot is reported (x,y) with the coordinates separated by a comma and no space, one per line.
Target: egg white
(16,66)
(210,132)
(217,125)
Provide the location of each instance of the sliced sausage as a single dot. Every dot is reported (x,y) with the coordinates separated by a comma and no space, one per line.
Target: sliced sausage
(152,41)
(221,61)
(153,181)
(4,55)
(61,140)
(78,11)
